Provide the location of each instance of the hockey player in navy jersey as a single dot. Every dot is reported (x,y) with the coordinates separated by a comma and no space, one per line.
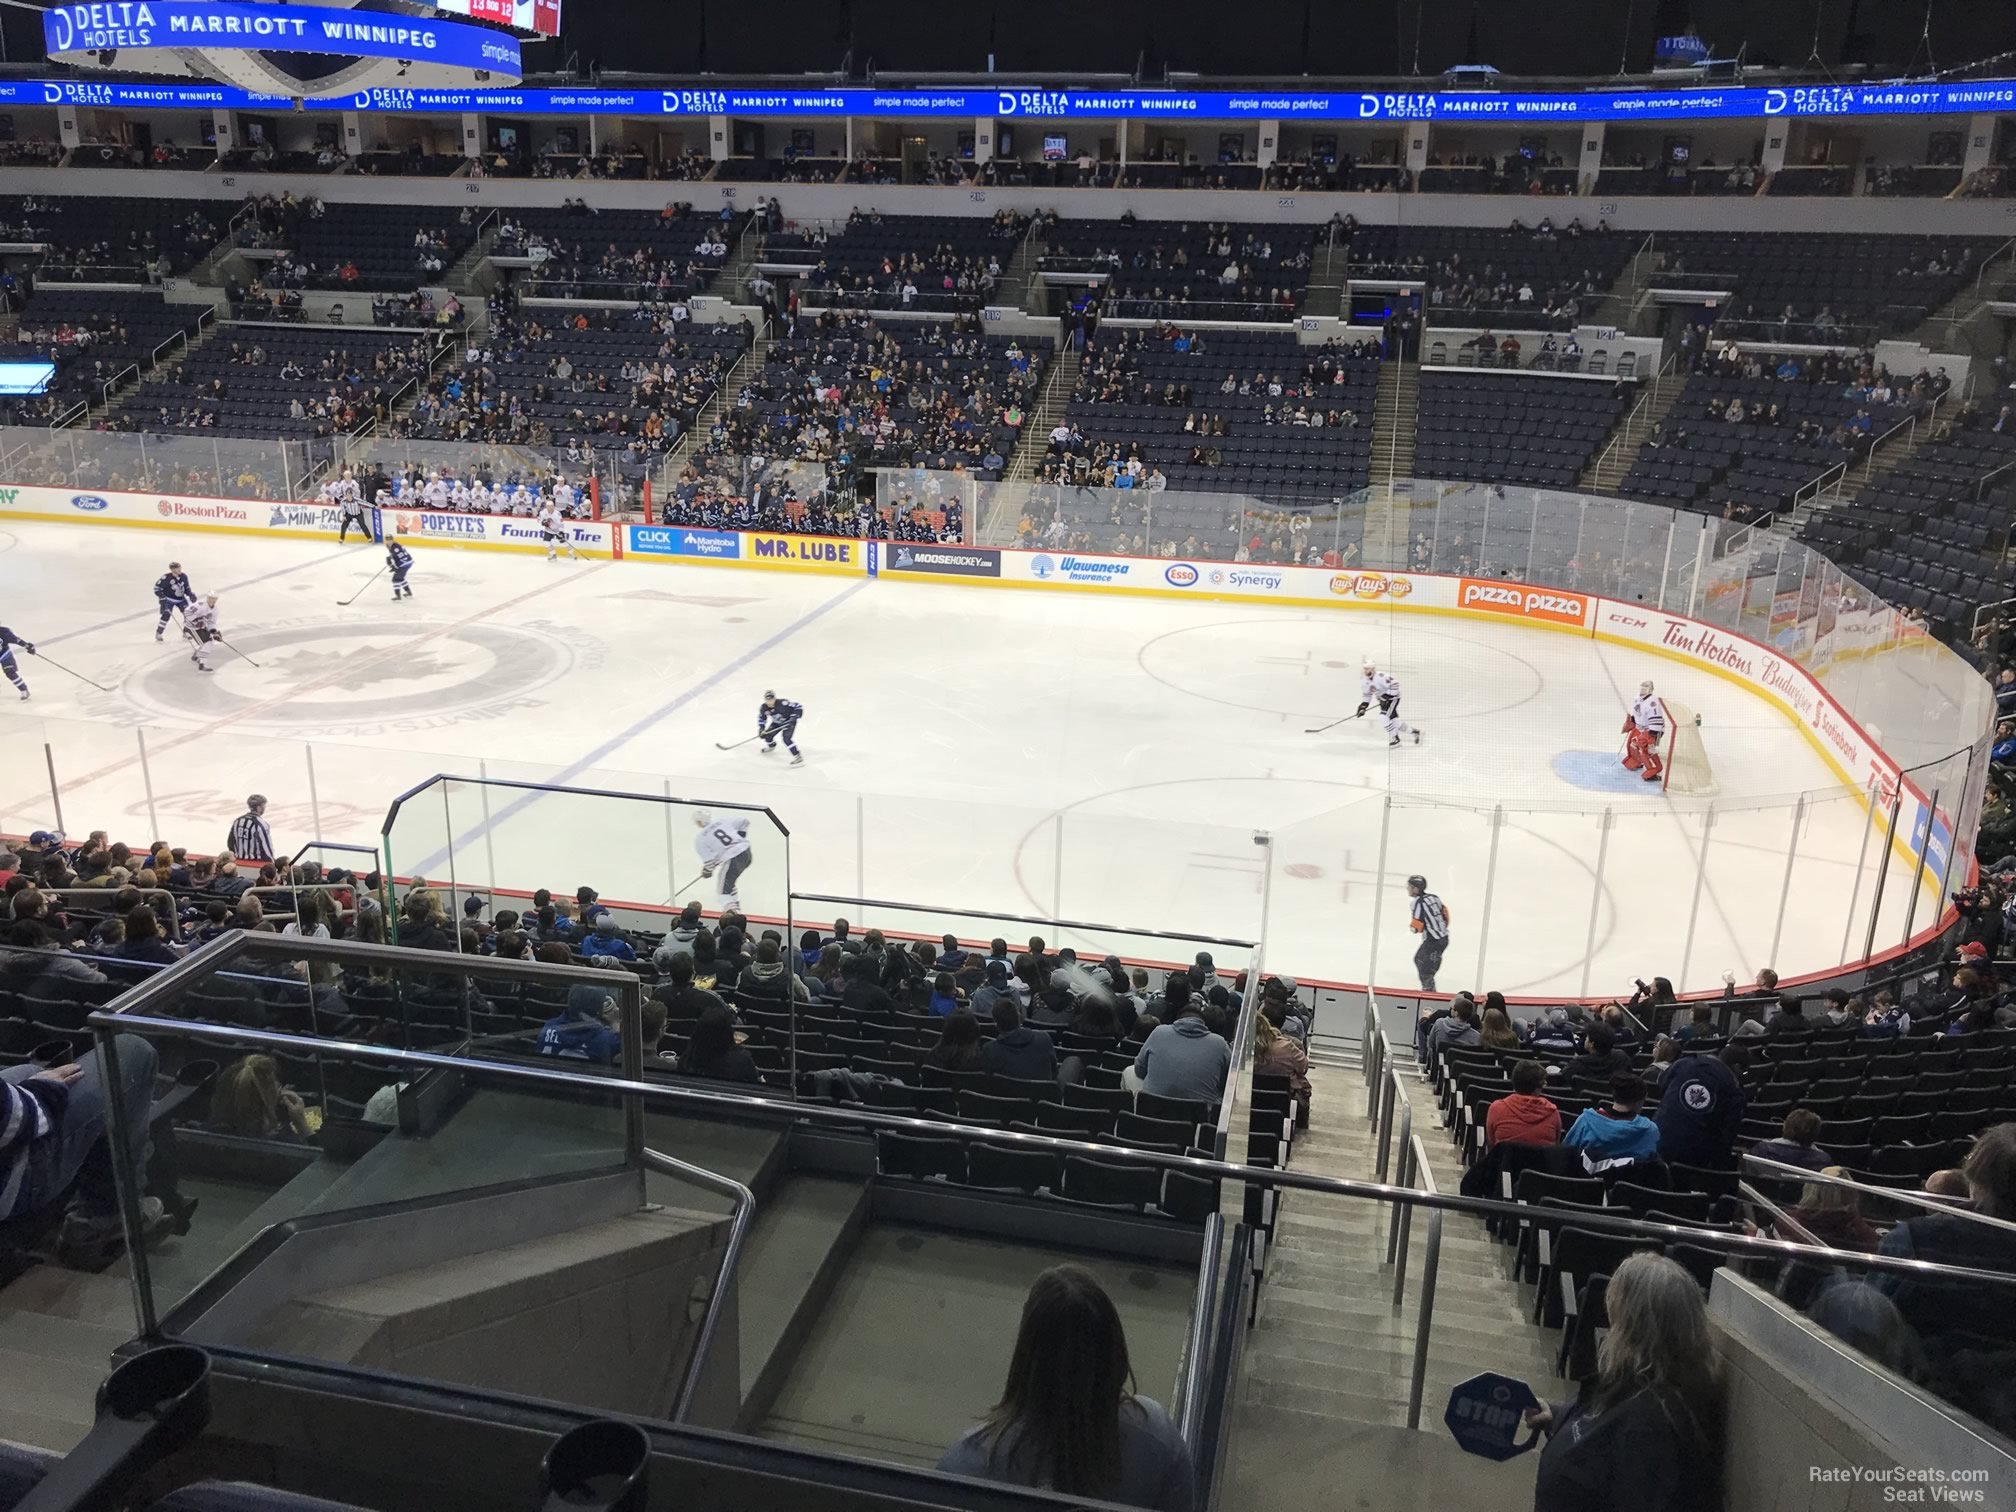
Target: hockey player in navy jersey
(400,560)
(779,717)
(172,592)
(8,641)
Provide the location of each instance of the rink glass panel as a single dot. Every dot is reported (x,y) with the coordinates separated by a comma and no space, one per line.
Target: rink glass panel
(1923,705)
(506,835)
(170,462)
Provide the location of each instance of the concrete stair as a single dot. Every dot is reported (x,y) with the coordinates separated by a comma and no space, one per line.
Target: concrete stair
(1618,305)
(732,282)
(58,1328)
(795,1250)
(1328,280)
(1606,471)
(1393,420)
(1964,324)
(1019,277)
(740,376)
(466,276)
(1034,442)
(1330,1348)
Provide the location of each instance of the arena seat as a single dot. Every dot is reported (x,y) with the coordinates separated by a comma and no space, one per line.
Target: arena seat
(1513,428)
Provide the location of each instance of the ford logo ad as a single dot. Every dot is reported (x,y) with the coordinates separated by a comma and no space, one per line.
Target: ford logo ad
(89,503)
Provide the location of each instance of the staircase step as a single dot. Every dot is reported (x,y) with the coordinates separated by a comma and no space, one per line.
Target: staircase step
(1328,1341)
(793,1251)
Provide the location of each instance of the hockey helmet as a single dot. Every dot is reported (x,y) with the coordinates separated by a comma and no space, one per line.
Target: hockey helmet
(1417,880)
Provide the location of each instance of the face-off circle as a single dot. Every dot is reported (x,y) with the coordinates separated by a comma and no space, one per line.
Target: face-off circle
(350,678)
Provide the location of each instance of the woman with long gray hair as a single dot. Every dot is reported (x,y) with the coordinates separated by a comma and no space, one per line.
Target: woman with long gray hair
(1646,1432)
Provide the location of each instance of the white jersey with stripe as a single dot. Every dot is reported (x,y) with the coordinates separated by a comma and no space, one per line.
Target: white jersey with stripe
(1649,714)
(721,840)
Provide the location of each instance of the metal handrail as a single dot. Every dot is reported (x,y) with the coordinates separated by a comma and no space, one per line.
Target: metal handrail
(333,845)
(149,894)
(738,1229)
(113,1020)
(1197,1339)
(1780,1219)
(1243,1033)
(1008,918)
(104,389)
(1778,1169)
(1431,1266)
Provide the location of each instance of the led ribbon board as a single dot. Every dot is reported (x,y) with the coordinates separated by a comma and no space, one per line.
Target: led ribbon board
(247,45)
(386,92)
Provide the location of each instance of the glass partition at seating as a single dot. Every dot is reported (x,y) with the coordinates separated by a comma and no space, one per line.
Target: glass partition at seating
(414,1217)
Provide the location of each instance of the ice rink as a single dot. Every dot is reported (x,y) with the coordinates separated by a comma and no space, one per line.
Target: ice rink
(1058,754)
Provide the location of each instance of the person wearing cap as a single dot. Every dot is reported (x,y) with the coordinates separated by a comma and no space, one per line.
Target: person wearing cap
(250,838)
(586,906)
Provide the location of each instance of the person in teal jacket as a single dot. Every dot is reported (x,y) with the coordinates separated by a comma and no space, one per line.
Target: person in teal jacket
(1616,1132)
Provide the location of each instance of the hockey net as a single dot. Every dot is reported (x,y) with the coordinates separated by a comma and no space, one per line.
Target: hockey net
(1687,768)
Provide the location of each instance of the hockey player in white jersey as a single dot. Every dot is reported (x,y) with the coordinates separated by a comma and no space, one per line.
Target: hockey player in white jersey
(1383,689)
(199,623)
(723,846)
(554,529)
(1643,727)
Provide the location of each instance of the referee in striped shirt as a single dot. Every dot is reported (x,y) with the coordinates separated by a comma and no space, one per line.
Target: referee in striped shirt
(1430,920)
(250,839)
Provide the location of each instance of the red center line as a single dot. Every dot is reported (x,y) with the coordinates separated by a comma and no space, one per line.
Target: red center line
(340,674)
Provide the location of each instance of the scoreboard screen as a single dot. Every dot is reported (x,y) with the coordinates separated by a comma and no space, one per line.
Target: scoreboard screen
(541,16)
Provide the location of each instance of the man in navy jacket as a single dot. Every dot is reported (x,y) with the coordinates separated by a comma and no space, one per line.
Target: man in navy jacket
(1701,1108)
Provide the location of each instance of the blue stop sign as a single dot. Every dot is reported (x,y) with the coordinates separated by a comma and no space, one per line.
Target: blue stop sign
(1486,1414)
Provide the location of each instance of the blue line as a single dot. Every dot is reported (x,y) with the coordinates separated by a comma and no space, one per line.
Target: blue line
(617,741)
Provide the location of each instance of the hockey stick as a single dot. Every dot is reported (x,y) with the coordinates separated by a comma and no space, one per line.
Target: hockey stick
(731,746)
(685,885)
(61,668)
(346,603)
(234,650)
(1335,722)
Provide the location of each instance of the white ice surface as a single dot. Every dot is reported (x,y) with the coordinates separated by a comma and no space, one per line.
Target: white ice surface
(1058,754)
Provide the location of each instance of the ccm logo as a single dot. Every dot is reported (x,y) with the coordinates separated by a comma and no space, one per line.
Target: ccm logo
(1525,603)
